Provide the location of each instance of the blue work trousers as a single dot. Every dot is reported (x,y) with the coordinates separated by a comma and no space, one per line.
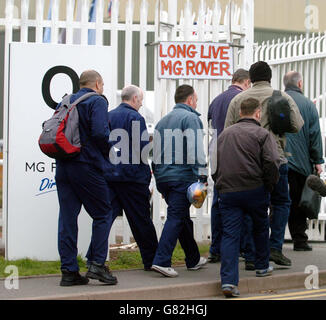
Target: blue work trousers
(82,184)
(134,199)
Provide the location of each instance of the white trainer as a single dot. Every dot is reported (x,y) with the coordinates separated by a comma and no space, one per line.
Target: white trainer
(166,271)
(200,264)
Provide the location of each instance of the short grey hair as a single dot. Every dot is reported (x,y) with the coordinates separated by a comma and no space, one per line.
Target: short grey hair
(130,91)
(292,78)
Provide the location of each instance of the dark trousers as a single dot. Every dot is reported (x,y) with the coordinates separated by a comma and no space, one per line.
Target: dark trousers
(82,184)
(233,207)
(216,226)
(280,209)
(246,242)
(247,246)
(134,199)
(178,225)
(297,219)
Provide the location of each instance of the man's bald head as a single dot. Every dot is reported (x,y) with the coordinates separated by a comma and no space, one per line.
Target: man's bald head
(292,79)
(91,79)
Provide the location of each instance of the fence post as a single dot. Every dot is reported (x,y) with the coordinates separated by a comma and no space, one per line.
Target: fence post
(114,45)
(247,21)
(69,20)
(39,21)
(8,38)
(24,18)
(54,21)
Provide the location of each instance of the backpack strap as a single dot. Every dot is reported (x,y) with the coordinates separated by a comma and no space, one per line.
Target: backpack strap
(66,99)
(277,93)
(84,97)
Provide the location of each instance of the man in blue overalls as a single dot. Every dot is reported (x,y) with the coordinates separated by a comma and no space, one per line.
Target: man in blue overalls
(130,177)
(80,182)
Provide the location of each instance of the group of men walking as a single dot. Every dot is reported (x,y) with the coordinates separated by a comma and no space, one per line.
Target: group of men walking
(250,168)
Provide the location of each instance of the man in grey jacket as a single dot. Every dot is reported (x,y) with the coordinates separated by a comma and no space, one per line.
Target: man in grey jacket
(261,75)
(179,160)
(247,163)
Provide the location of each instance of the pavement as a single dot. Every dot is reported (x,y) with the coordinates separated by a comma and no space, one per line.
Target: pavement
(149,285)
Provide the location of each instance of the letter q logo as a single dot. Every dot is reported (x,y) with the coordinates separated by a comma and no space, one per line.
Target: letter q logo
(46,83)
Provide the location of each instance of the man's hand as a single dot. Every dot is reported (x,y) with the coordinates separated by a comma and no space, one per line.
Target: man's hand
(319,169)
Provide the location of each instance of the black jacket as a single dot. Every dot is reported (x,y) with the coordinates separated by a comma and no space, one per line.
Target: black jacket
(246,158)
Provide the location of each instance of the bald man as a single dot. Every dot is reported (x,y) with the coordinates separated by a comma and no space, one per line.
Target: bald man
(306,152)
(80,182)
(130,177)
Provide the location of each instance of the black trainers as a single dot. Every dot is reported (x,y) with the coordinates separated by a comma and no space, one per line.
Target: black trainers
(302,247)
(100,272)
(250,266)
(213,258)
(278,257)
(70,278)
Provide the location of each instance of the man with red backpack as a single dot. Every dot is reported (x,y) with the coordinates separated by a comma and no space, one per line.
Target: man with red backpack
(80,181)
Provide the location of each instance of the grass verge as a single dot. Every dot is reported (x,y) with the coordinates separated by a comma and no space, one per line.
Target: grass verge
(119,260)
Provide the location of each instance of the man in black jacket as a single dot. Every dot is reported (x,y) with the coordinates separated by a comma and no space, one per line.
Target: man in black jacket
(247,170)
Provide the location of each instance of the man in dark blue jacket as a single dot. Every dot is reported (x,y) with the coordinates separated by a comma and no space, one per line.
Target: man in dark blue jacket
(306,156)
(216,118)
(80,182)
(129,176)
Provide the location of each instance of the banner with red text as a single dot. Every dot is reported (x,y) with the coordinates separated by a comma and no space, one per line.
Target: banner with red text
(195,60)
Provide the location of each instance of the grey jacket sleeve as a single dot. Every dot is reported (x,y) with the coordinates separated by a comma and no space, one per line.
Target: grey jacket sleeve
(295,115)
(195,149)
(270,161)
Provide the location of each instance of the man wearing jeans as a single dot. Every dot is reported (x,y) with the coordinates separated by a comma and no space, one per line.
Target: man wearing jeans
(261,75)
(179,160)
(216,118)
(247,170)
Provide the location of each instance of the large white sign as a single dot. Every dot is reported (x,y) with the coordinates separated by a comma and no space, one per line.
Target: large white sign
(40,74)
(195,60)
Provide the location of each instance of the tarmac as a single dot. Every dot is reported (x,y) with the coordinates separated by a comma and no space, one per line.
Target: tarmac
(149,285)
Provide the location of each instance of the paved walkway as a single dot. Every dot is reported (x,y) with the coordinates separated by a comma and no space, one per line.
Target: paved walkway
(139,284)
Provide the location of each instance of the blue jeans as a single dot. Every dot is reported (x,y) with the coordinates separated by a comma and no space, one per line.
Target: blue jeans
(233,207)
(178,225)
(216,226)
(246,243)
(280,209)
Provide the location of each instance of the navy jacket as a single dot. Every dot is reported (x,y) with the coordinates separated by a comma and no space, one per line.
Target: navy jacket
(128,145)
(93,130)
(219,107)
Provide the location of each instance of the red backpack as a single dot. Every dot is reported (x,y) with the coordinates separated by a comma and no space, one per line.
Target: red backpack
(60,134)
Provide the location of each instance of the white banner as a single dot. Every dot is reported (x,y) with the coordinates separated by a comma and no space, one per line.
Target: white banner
(41,74)
(195,60)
